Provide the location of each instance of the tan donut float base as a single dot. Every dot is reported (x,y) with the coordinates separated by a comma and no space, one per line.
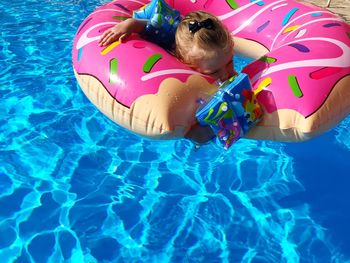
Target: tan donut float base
(147,116)
(282,125)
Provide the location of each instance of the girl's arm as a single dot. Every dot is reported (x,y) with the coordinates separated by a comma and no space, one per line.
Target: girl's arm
(122,31)
(200,134)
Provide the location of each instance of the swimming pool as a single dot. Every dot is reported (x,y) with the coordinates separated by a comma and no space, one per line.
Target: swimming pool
(74,187)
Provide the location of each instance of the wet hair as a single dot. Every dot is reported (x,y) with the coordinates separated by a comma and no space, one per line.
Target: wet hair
(213,37)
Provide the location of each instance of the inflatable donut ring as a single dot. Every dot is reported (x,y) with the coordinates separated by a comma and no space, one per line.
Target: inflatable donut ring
(300,76)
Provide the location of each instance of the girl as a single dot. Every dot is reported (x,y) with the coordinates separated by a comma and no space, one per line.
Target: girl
(199,40)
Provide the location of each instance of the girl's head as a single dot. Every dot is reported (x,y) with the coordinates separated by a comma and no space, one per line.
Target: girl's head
(205,44)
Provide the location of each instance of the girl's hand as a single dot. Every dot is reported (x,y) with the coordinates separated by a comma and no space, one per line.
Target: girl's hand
(118,32)
(121,31)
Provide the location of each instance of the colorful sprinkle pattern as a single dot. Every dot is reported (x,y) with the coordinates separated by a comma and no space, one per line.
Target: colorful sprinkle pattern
(113,71)
(232,4)
(324,72)
(268,60)
(80,53)
(150,62)
(300,47)
(289,16)
(263,26)
(293,83)
(110,48)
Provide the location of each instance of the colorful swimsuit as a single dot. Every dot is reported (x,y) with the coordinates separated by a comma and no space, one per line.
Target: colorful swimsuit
(162,23)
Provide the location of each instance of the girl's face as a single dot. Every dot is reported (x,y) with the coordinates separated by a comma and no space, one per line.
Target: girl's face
(216,63)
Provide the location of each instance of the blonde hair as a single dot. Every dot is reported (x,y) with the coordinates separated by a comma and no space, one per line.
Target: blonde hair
(216,37)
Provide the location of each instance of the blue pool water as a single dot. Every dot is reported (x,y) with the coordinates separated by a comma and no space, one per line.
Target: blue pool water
(74,187)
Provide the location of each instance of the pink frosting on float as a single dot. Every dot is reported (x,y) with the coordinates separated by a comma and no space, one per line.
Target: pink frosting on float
(307,43)
(129,81)
(309,50)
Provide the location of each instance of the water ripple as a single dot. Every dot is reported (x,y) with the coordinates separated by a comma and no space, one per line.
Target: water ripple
(77,188)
